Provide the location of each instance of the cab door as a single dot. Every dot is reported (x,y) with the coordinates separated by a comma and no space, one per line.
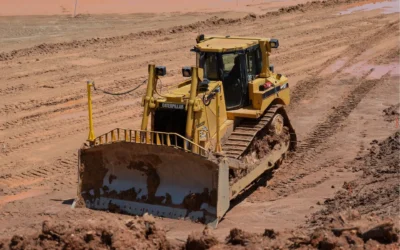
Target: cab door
(234,80)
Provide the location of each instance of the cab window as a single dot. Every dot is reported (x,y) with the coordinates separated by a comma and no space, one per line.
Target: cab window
(254,61)
(209,62)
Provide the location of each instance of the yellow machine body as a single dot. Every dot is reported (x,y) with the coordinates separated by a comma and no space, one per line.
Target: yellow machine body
(190,157)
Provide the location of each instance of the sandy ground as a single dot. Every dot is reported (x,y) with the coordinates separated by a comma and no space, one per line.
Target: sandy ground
(67,7)
(343,71)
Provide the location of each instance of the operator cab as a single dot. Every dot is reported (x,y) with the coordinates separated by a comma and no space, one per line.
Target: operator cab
(235,62)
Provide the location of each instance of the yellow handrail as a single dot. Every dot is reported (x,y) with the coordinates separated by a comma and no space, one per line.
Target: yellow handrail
(91,137)
(152,138)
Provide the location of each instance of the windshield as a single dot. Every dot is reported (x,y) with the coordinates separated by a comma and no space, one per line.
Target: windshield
(210,66)
(217,66)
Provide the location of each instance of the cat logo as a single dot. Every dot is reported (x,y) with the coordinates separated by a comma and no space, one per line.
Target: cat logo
(172,106)
(203,133)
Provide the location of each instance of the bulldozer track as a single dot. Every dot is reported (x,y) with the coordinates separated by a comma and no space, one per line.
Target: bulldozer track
(243,135)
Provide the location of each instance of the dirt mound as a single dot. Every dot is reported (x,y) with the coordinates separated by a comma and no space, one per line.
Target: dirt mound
(240,237)
(140,233)
(237,239)
(375,234)
(376,191)
(200,241)
(392,113)
(143,234)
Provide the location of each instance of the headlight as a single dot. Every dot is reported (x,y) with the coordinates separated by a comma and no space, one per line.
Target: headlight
(186,71)
(161,70)
(274,43)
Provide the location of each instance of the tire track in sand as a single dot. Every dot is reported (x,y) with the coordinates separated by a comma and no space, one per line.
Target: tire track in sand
(287,179)
(311,86)
(300,164)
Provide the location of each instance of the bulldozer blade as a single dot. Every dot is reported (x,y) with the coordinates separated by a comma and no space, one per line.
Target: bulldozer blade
(132,178)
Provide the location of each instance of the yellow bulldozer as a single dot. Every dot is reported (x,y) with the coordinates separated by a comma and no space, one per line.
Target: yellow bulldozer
(201,143)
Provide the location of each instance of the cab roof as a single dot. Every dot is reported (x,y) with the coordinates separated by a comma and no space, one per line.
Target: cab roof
(225,44)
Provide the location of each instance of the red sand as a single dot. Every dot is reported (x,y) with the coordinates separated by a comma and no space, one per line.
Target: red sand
(57,7)
(49,7)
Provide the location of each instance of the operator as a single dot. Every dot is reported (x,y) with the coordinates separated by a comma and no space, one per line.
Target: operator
(235,71)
